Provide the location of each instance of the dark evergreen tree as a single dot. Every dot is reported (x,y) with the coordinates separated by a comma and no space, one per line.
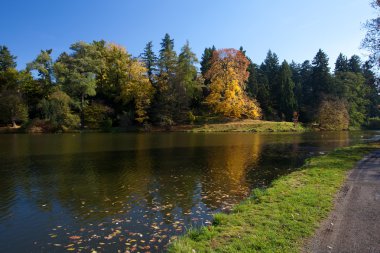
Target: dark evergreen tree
(321,81)
(166,95)
(341,64)
(270,67)
(372,82)
(206,61)
(354,64)
(187,86)
(7,60)
(168,57)
(287,103)
(150,60)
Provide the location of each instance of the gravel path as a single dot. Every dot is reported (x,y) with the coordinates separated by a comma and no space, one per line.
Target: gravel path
(354,225)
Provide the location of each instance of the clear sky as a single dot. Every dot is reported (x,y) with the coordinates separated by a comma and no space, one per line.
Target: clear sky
(294,29)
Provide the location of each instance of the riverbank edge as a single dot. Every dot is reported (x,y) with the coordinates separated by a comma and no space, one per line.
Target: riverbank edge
(232,126)
(282,217)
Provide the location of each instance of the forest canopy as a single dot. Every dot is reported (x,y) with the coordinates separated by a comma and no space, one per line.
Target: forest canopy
(99,85)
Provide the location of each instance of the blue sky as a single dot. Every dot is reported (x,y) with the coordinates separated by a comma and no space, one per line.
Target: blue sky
(294,29)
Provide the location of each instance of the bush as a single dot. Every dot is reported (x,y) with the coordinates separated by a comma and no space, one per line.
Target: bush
(96,116)
(333,115)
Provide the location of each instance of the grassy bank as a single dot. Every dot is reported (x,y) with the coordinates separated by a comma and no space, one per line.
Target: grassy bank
(250,126)
(281,217)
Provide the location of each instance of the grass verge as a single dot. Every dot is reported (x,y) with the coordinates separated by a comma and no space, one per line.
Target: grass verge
(250,126)
(281,217)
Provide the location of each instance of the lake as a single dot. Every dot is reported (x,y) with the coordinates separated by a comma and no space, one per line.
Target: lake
(136,192)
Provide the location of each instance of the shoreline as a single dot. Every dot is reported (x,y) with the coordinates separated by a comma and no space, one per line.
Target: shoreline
(282,217)
(254,126)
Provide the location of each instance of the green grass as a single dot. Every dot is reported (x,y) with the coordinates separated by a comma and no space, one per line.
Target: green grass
(280,218)
(250,126)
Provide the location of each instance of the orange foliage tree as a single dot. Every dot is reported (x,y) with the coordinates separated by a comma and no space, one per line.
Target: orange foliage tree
(228,74)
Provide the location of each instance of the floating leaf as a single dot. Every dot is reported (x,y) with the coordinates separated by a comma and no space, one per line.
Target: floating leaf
(75,237)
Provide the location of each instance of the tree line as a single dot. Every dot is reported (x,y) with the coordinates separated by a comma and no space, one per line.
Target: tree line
(100,85)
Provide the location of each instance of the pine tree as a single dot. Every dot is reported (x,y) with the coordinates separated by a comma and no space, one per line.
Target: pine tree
(270,67)
(165,100)
(149,58)
(354,64)
(287,99)
(168,57)
(341,64)
(187,82)
(206,62)
(321,82)
(7,60)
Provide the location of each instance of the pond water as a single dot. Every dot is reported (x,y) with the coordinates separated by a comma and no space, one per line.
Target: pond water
(136,192)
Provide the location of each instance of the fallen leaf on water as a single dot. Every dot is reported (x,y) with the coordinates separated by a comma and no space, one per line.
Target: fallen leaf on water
(75,237)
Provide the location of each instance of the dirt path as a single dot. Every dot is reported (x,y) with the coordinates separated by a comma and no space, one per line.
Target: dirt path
(354,225)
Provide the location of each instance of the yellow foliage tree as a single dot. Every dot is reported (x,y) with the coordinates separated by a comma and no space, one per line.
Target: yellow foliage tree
(228,74)
(130,78)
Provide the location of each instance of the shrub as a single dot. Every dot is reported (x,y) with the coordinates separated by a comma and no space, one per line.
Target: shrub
(333,114)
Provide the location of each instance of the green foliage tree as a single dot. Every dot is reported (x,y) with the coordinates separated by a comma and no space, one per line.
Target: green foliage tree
(56,109)
(341,64)
(288,103)
(13,109)
(372,82)
(77,73)
(351,87)
(271,68)
(149,58)
(206,61)
(321,80)
(187,85)
(354,64)
(7,60)
(166,96)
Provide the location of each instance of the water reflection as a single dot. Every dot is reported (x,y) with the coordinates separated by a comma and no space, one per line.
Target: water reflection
(135,191)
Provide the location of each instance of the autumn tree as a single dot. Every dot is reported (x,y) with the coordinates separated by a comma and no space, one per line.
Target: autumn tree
(125,82)
(228,74)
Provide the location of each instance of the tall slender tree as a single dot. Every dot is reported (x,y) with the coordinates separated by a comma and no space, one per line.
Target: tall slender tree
(341,64)
(287,101)
(149,58)
(354,64)
(321,81)
(187,84)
